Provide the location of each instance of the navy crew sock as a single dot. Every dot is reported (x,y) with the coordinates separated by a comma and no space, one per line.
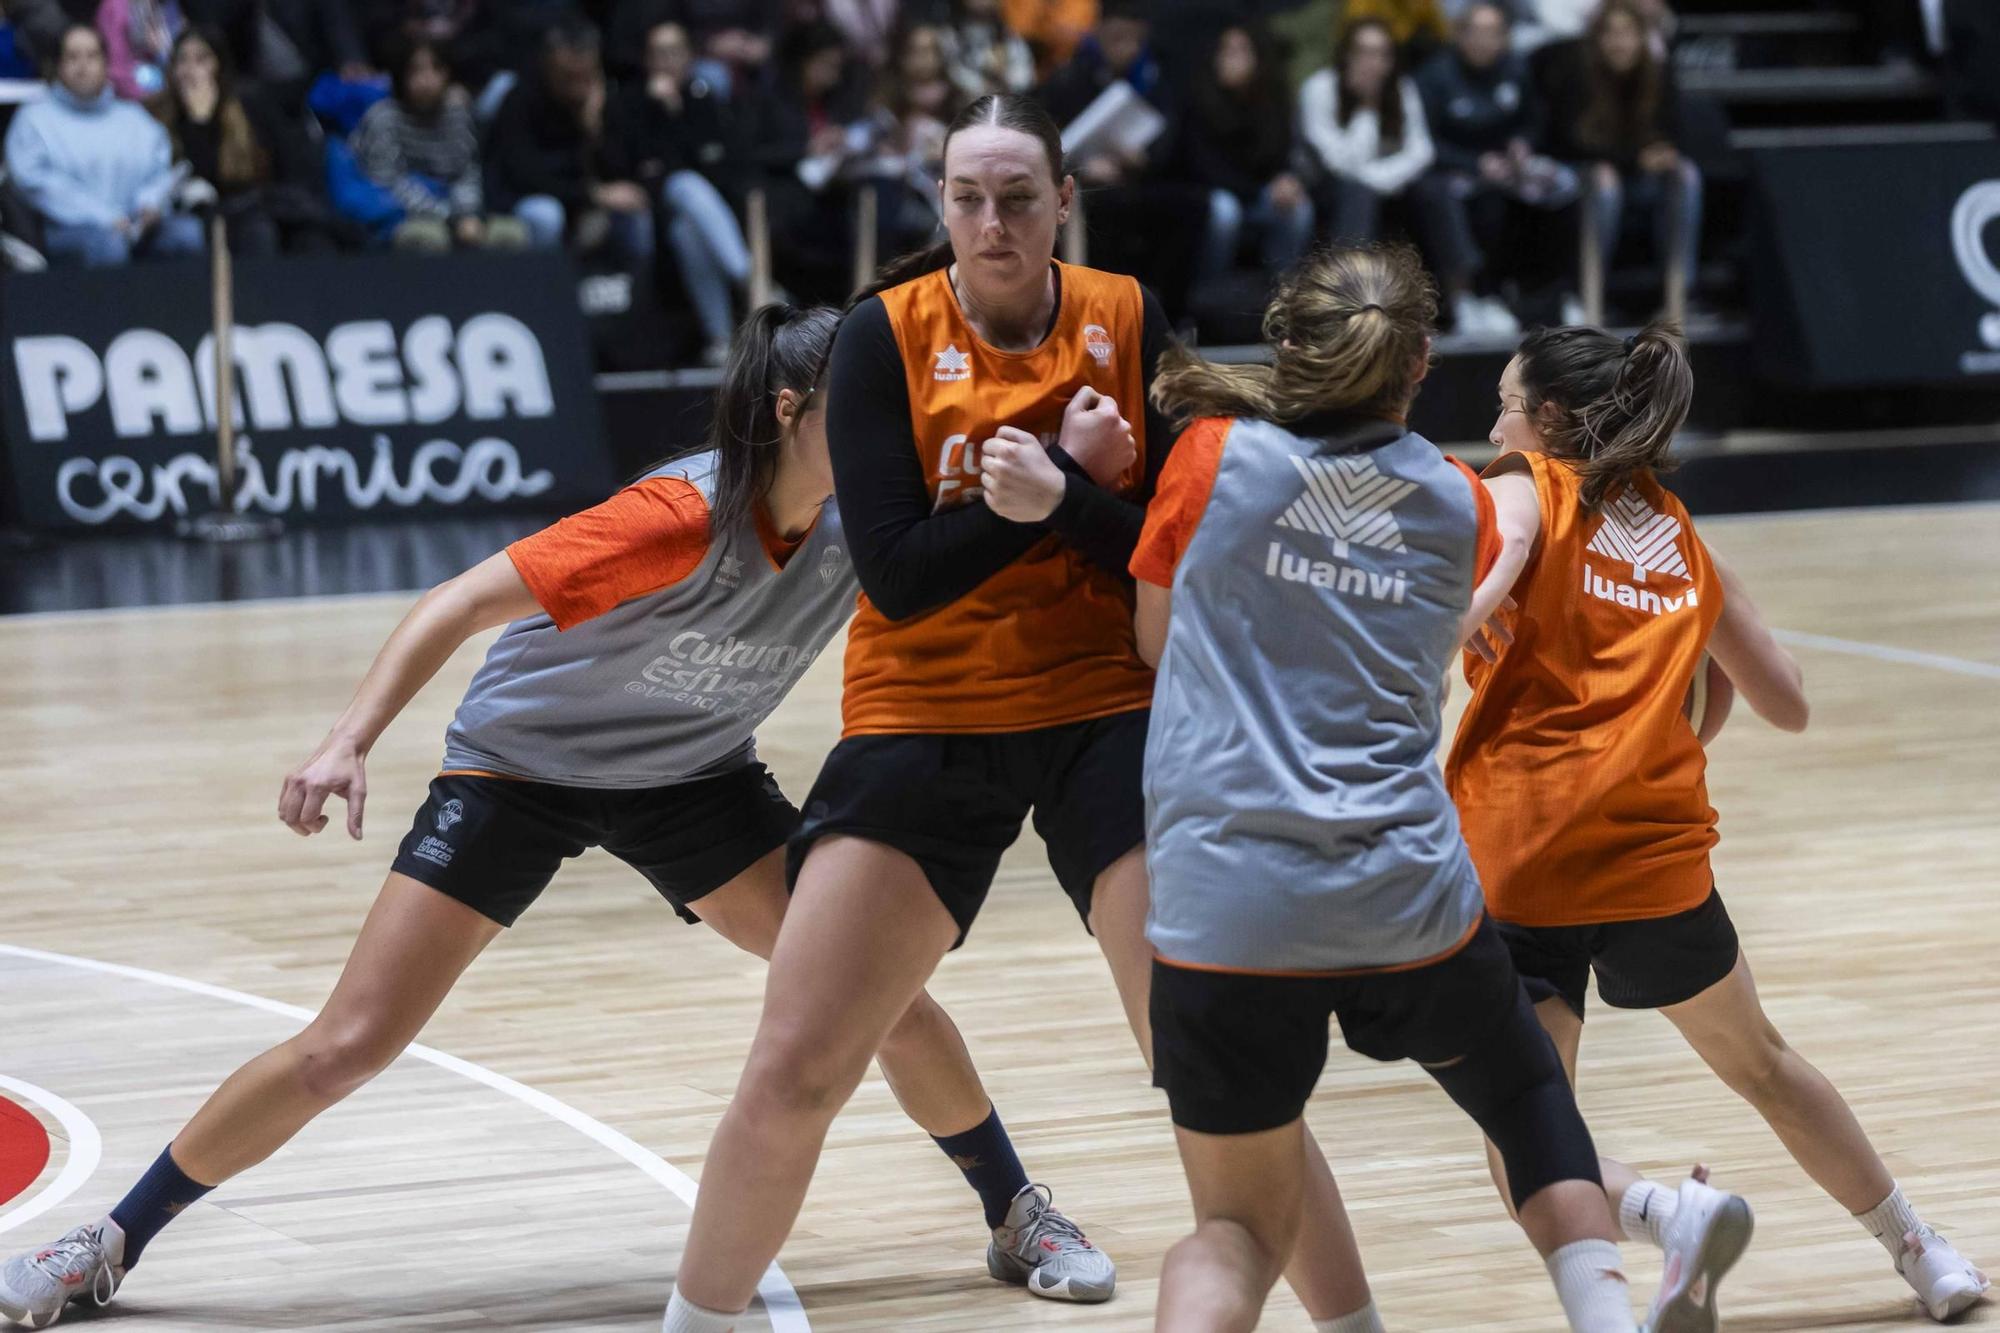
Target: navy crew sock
(159,1197)
(986,1155)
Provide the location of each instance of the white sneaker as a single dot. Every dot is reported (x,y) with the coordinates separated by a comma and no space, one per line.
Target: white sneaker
(1944,1280)
(1708,1234)
(87,1264)
(1468,315)
(1040,1249)
(1500,320)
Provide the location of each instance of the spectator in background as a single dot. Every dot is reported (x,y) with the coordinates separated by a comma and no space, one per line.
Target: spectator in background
(735,41)
(1614,108)
(673,136)
(984,54)
(542,154)
(266,177)
(463,33)
(1364,124)
(919,93)
(1416,26)
(138,38)
(1053,29)
(99,171)
(420,144)
(1238,141)
(1143,218)
(299,40)
(802,146)
(1485,122)
(868,25)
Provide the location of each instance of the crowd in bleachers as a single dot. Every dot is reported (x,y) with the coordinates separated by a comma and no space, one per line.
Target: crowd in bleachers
(636,131)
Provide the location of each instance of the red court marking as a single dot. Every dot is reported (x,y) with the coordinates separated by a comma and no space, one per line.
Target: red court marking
(24,1148)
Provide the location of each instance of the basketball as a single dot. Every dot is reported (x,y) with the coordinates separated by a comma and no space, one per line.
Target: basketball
(1709,699)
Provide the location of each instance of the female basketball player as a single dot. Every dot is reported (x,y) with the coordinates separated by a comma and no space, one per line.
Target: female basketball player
(1303,581)
(1617,600)
(990,672)
(650,636)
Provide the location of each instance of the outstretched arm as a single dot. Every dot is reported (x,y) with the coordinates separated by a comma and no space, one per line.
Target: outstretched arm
(490,593)
(1758,666)
(1517,513)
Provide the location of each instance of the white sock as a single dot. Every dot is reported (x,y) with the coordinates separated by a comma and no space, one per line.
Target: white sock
(1646,1211)
(1364,1320)
(1591,1285)
(684,1316)
(1890,1220)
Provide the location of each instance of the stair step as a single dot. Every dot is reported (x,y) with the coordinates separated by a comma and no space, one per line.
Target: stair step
(1855,83)
(1861,136)
(1767,24)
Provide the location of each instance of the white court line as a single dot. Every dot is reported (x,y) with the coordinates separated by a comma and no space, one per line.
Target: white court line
(781,1301)
(1884,653)
(85,1147)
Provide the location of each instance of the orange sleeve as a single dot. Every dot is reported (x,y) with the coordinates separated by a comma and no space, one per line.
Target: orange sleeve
(1181,497)
(647,537)
(1486,546)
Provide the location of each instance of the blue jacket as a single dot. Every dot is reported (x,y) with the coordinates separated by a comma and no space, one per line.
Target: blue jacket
(89,162)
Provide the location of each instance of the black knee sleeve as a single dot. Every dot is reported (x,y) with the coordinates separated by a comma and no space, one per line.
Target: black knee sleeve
(1512,1085)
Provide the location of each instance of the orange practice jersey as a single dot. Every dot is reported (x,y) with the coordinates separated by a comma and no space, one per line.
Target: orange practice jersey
(1048,639)
(1579,783)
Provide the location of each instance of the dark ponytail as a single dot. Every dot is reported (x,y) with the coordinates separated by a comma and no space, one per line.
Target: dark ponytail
(1007,111)
(1618,401)
(778,347)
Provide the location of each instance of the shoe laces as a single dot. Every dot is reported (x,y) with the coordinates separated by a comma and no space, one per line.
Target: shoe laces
(1052,1225)
(78,1252)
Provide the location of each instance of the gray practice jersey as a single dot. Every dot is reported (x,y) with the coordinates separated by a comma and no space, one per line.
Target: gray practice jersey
(668,684)
(1297,819)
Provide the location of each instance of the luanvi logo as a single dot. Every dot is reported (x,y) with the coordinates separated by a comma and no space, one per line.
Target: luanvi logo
(1976,210)
(1636,533)
(1347,499)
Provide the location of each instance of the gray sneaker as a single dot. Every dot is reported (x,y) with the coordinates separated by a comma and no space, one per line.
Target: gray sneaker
(85,1265)
(1040,1249)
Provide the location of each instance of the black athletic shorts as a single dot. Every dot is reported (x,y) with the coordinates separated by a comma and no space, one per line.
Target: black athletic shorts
(955,803)
(1240,1052)
(494,843)
(1645,964)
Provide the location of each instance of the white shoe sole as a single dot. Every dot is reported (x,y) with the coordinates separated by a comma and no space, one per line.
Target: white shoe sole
(1691,1307)
(1956,1302)
(1011,1271)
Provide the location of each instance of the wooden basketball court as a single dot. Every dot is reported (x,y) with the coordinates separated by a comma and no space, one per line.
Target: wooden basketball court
(526,1169)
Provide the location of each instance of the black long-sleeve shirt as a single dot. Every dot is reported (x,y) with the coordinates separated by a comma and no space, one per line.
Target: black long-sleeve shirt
(1236,142)
(537,146)
(911,559)
(1473,111)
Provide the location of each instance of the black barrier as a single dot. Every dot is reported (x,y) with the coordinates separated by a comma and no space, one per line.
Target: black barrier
(1875,264)
(365,386)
